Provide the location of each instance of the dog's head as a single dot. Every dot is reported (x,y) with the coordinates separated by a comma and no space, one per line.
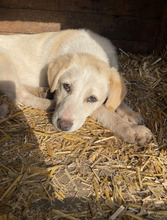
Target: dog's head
(82,85)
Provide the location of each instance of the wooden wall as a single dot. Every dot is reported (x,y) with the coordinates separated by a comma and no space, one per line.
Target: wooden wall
(138,26)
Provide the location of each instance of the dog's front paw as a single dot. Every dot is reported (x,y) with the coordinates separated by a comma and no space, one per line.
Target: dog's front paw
(131,116)
(138,134)
(143,134)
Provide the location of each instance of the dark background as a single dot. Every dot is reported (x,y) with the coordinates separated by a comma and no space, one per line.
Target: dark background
(133,26)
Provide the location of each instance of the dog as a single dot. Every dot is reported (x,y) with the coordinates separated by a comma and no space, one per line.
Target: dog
(81,67)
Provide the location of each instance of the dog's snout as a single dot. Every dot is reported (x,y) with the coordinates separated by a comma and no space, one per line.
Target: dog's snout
(64,125)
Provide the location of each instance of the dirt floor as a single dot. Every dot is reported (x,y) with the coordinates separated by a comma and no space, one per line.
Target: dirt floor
(89,174)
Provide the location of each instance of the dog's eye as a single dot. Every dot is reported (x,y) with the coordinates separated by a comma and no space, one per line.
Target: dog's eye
(92,99)
(67,87)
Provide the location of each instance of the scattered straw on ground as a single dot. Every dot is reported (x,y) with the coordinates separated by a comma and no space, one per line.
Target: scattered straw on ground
(89,174)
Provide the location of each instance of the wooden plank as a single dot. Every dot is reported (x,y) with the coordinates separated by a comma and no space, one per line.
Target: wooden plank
(134,46)
(161,40)
(142,8)
(121,28)
(27,27)
(125,21)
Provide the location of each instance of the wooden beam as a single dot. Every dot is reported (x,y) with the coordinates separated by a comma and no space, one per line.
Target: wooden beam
(27,27)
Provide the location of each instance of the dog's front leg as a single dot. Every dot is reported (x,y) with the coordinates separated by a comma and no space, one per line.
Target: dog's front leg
(126,130)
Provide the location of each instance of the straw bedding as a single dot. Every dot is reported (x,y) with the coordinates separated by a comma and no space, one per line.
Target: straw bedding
(89,174)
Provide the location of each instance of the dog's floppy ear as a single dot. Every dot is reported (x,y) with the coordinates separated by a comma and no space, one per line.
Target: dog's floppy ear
(56,69)
(117,90)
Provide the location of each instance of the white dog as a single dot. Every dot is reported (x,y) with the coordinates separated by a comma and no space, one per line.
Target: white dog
(81,67)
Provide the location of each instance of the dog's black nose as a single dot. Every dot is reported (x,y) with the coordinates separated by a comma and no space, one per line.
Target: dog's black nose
(64,125)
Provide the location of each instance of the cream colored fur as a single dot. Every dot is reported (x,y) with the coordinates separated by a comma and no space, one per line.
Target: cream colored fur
(80,66)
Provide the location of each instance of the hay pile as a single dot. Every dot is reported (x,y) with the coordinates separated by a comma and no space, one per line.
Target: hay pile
(89,174)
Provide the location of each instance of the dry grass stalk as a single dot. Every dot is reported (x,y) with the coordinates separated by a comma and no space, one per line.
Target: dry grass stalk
(64,215)
(117,213)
